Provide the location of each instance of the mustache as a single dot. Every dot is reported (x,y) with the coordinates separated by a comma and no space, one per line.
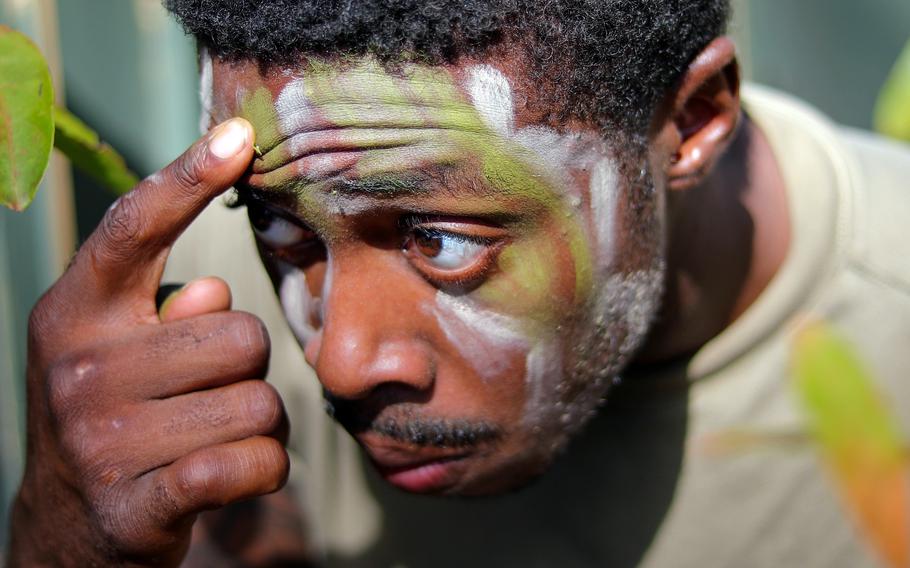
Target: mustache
(401,423)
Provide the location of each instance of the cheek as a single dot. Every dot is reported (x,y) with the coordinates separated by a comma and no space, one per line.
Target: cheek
(487,341)
(518,370)
(542,277)
(485,361)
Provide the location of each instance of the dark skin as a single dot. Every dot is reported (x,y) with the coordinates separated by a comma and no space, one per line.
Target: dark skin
(724,245)
(124,456)
(94,474)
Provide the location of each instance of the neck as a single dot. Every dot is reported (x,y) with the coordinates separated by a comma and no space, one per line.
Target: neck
(727,238)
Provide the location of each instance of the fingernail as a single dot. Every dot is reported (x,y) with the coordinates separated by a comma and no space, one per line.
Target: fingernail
(167,293)
(228,139)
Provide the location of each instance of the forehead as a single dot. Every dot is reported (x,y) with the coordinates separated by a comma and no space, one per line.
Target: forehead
(322,125)
(344,89)
(323,118)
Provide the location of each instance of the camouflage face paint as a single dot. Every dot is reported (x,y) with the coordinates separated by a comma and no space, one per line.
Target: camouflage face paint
(206,93)
(296,301)
(548,409)
(358,122)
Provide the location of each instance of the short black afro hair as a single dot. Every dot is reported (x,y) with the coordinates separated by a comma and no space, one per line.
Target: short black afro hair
(609,62)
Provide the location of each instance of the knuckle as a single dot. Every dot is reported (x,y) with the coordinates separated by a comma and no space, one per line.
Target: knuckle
(251,338)
(165,501)
(106,434)
(43,321)
(121,523)
(96,448)
(275,465)
(121,231)
(88,437)
(188,172)
(263,408)
(203,478)
(69,381)
(39,315)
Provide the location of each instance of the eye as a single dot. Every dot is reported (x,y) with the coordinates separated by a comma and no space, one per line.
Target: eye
(274,230)
(452,253)
(446,251)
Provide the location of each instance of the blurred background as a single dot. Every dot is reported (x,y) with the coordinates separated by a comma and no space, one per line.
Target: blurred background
(129,71)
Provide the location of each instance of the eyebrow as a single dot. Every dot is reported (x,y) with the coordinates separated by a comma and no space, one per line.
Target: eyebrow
(285,196)
(385,186)
(446,182)
(423,182)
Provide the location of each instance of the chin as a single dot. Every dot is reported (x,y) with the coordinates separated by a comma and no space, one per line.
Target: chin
(476,473)
(507,480)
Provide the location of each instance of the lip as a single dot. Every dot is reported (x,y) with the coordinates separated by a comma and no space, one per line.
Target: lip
(416,469)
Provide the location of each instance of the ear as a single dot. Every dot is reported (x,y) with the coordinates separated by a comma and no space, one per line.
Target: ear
(704,116)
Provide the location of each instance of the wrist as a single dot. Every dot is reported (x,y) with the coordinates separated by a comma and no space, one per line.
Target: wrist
(44,531)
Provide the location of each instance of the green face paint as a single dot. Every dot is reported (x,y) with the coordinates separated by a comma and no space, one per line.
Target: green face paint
(532,336)
(418,118)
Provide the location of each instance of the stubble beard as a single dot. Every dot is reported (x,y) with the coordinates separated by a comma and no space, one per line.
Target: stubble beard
(586,362)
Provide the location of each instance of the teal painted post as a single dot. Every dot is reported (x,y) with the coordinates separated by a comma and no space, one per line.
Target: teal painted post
(30,260)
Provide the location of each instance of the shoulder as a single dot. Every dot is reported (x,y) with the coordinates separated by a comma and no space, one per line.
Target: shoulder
(856,182)
(881,209)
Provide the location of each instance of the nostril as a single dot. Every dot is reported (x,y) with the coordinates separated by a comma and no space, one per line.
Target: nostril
(406,362)
(352,369)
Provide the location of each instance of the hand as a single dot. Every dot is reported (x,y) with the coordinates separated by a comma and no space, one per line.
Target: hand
(137,422)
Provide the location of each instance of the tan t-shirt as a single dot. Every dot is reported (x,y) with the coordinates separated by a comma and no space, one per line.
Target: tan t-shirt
(638,487)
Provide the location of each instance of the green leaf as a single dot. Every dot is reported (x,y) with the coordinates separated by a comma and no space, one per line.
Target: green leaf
(892,113)
(26,118)
(88,153)
(858,437)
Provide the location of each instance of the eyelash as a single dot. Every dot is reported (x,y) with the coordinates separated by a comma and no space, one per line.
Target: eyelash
(409,226)
(463,279)
(301,253)
(412,223)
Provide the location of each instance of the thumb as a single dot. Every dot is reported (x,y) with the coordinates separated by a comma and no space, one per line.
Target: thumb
(196,298)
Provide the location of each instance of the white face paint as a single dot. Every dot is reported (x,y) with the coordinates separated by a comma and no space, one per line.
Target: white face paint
(206,90)
(296,301)
(492,97)
(477,333)
(553,153)
(603,192)
(293,109)
(624,307)
(484,338)
(563,385)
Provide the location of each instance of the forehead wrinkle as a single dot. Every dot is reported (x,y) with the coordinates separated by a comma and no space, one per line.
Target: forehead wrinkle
(425,181)
(329,99)
(341,140)
(429,98)
(361,114)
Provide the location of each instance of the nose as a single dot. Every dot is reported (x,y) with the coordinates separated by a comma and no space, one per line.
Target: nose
(371,332)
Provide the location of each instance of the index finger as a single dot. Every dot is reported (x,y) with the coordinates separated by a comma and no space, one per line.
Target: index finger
(128,250)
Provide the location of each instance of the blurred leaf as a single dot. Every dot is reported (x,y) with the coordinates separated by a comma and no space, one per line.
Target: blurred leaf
(88,153)
(859,439)
(892,112)
(26,118)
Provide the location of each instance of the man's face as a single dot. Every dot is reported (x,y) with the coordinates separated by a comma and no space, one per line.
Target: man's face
(465,282)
